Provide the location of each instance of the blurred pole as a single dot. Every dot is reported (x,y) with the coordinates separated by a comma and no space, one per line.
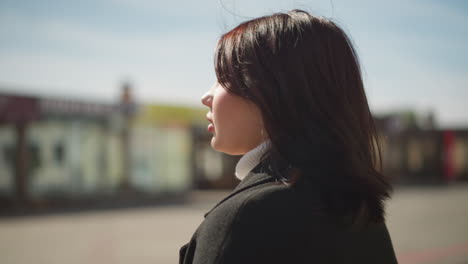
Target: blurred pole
(127,109)
(19,111)
(449,155)
(21,164)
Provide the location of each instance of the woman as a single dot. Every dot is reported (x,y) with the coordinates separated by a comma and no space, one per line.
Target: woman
(289,95)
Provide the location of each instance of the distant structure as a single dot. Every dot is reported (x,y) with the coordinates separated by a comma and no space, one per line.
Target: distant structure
(69,152)
(416,150)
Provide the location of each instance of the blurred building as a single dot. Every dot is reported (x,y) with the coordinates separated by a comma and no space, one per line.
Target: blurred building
(415,150)
(64,152)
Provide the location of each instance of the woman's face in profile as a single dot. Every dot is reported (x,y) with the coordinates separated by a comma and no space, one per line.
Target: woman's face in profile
(235,122)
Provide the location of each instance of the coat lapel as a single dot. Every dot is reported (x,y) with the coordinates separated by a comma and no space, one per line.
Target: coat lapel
(254,178)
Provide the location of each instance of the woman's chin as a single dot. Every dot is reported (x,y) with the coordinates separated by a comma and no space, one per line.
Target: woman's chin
(214,143)
(232,151)
(218,146)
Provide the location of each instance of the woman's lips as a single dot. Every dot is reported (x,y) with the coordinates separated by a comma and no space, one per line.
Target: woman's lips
(210,128)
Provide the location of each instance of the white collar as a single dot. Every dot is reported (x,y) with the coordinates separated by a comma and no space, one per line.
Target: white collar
(251,159)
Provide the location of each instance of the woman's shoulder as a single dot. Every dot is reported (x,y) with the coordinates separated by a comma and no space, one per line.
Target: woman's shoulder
(272,202)
(282,204)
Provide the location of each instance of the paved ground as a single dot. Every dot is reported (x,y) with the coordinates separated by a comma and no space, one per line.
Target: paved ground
(428,225)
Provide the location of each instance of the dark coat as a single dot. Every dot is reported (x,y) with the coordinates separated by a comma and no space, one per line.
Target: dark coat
(265,221)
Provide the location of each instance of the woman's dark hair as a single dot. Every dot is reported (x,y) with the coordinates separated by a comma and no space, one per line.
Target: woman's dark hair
(304,75)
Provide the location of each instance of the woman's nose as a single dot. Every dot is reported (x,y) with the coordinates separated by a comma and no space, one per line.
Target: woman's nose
(207,99)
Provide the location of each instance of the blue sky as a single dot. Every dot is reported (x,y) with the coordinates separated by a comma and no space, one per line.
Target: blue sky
(413,53)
